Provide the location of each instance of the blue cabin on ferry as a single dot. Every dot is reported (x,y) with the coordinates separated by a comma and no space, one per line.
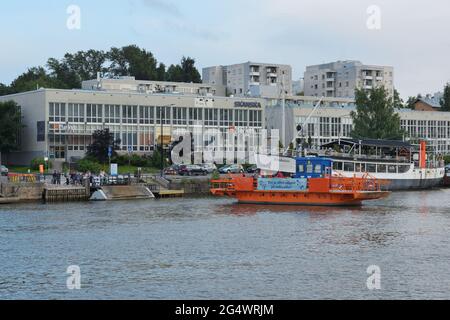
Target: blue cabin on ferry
(314,167)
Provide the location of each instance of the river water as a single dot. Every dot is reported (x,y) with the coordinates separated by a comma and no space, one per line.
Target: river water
(214,249)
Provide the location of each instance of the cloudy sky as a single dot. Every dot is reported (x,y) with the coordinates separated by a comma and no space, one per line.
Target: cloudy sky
(414,36)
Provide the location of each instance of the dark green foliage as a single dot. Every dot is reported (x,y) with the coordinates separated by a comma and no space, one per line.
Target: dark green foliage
(375,116)
(398,102)
(133,61)
(70,71)
(184,72)
(102,140)
(33,79)
(10,126)
(445,102)
(87,164)
(36,162)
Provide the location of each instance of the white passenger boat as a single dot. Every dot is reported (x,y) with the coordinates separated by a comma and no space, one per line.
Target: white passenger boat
(406,165)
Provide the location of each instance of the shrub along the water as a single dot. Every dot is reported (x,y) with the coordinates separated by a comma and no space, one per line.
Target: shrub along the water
(36,162)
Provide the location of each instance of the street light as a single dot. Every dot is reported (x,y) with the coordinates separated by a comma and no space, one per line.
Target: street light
(162,136)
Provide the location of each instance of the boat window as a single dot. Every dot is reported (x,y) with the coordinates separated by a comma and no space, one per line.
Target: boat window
(382,168)
(337,165)
(318,168)
(309,168)
(358,167)
(403,169)
(301,168)
(392,169)
(349,166)
(371,167)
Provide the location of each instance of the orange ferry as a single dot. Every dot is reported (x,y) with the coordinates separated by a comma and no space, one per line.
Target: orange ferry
(313,184)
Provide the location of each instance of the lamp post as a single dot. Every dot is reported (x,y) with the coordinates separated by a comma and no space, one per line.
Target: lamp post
(162,142)
(162,136)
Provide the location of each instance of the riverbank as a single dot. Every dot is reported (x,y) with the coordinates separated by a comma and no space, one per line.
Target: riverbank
(19,192)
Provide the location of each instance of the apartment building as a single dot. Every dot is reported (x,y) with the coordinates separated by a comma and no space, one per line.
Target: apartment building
(251,79)
(340,79)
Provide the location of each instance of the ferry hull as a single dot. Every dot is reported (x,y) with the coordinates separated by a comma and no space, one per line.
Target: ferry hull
(414,184)
(419,179)
(320,192)
(307,199)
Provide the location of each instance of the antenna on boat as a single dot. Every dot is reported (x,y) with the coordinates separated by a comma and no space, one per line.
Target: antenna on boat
(302,126)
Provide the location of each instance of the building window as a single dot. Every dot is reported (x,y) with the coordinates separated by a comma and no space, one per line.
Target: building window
(179,116)
(211,117)
(57,112)
(94,113)
(163,114)
(76,112)
(112,113)
(226,117)
(146,115)
(241,118)
(129,114)
(195,116)
(129,138)
(324,126)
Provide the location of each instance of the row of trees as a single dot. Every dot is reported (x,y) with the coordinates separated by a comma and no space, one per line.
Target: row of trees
(70,71)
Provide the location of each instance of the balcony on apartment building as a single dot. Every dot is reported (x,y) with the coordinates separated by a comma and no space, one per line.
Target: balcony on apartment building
(272,81)
(379,76)
(254,80)
(271,72)
(367,75)
(254,71)
(331,76)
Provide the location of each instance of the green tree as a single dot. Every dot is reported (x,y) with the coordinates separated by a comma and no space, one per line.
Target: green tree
(375,116)
(68,78)
(133,61)
(10,126)
(161,72)
(184,72)
(398,102)
(174,73)
(86,64)
(102,140)
(36,77)
(410,102)
(5,90)
(190,72)
(445,101)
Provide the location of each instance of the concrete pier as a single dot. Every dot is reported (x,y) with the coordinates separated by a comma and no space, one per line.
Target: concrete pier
(65,193)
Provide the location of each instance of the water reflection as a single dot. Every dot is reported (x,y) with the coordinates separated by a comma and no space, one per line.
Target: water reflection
(214,248)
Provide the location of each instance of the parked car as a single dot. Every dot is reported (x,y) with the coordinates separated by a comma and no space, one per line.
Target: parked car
(172,170)
(253,169)
(4,171)
(209,167)
(191,170)
(234,168)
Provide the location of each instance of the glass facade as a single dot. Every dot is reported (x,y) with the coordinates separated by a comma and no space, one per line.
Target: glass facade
(137,126)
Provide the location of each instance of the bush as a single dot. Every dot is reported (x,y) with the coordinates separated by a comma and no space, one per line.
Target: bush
(215,175)
(86,165)
(447,159)
(36,162)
